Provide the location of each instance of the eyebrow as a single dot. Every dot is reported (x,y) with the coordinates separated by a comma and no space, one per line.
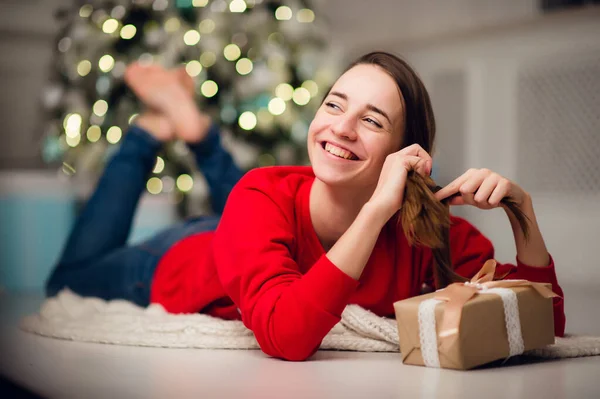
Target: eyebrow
(370,107)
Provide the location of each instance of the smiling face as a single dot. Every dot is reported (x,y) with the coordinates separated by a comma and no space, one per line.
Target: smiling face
(359,123)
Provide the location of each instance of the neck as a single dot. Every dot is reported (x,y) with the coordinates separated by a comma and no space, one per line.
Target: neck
(333,209)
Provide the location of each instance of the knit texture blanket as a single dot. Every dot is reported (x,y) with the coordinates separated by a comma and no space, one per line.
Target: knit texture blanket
(72,317)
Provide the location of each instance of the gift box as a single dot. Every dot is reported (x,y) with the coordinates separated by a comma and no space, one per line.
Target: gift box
(466,325)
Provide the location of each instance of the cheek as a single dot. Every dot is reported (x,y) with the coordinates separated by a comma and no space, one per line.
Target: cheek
(379,147)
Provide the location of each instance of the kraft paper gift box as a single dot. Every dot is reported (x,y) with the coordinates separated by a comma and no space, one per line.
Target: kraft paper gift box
(483,323)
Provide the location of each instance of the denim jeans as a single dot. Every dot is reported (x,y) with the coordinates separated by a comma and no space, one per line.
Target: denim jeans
(96,260)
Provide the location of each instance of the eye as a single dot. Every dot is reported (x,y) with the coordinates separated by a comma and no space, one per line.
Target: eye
(332,105)
(374,122)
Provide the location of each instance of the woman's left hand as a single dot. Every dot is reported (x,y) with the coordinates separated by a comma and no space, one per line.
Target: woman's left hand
(482,188)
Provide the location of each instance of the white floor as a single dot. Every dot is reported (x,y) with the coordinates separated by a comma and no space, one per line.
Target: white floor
(64,369)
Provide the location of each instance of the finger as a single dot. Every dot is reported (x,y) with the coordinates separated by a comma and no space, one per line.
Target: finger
(453,186)
(415,163)
(470,187)
(501,191)
(418,151)
(486,188)
(457,201)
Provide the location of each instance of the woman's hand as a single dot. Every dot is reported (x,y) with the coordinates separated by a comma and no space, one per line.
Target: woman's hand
(389,193)
(482,188)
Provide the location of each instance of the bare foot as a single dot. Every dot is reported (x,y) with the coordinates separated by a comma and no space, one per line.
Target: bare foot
(164,91)
(157,125)
(205,120)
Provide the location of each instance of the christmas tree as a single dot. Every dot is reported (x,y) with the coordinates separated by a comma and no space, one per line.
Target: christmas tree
(260,69)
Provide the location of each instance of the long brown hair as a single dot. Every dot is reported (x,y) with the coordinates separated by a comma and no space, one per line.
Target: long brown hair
(424,220)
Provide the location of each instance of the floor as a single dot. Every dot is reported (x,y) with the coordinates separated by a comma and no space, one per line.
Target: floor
(64,369)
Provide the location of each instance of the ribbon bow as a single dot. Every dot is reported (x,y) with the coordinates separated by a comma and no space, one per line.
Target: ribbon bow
(457,294)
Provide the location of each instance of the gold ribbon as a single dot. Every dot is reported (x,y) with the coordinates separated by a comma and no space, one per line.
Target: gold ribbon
(457,294)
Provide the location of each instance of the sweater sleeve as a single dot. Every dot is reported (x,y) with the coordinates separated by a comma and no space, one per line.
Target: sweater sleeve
(470,249)
(289,313)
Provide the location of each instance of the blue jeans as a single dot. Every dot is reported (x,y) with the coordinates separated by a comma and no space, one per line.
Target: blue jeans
(96,260)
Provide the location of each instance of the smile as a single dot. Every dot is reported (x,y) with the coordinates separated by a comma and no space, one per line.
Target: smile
(338,151)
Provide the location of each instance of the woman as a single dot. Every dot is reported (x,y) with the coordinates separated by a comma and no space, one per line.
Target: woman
(296,244)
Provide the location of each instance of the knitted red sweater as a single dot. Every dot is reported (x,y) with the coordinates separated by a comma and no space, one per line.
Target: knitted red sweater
(265,265)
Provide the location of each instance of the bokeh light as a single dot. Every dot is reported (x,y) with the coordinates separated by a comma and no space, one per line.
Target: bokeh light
(191,37)
(128,31)
(94,133)
(185,182)
(283,13)
(154,185)
(159,166)
(247,120)
(209,88)
(284,91)
(193,68)
(276,106)
(106,63)
(113,134)
(100,107)
(244,66)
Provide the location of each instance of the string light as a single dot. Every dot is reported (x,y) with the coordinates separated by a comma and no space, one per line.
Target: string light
(106,63)
(93,133)
(68,169)
(85,11)
(305,15)
(118,12)
(247,120)
(193,68)
(206,26)
(159,166)
(284,91)
(311,86)
(208,59)
(237,6)
(199,3)
(191,37)
(232,52)
(172,25)
(209,88)
(276,106)
(64,44)
(110,25)
(72,125)
(301,96)
(128,31)
(185,183)
(84,67)
(160,5)
(100,107)
(244,66)
(73,141)
(154,185)
(132,118)
(283,13)
(113,135)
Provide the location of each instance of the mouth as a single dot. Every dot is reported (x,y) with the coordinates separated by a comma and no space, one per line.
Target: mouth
(338,151)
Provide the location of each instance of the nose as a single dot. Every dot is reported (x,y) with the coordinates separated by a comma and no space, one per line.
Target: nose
(345,127)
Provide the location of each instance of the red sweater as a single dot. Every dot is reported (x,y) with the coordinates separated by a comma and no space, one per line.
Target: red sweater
(266,260)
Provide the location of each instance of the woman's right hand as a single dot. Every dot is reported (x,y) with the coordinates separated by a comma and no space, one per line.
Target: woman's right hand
(389,193)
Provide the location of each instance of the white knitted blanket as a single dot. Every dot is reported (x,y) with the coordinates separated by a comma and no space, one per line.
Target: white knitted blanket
(72,317)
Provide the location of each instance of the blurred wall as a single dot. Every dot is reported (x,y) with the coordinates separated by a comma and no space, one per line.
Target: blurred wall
(27,30)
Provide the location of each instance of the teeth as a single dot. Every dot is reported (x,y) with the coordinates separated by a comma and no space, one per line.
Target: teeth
(337,151)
